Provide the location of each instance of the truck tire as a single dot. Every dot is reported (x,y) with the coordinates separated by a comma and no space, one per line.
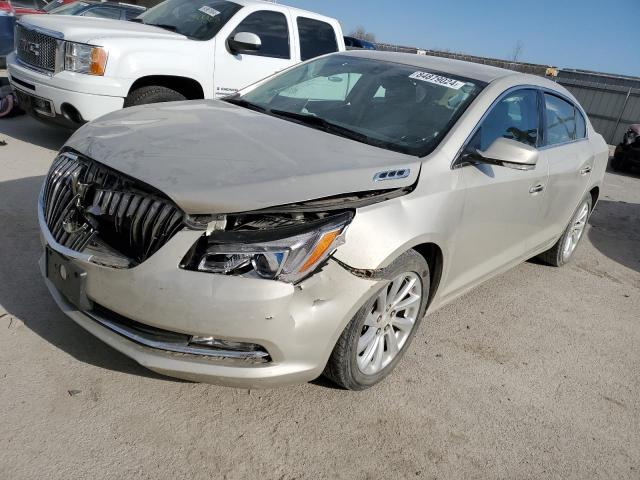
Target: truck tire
(379,334)
(152,94)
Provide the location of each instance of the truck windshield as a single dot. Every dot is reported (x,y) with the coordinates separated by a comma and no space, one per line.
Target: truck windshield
(196,19)
(395,106)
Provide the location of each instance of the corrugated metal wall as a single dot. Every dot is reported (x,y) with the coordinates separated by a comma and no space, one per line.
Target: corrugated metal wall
(612,102)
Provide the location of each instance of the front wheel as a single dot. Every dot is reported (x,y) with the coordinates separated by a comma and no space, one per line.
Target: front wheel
(152,94)
(564,249)
(375,340)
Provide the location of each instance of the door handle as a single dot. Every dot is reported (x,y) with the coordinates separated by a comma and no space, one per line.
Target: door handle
(536,189)
(585,170)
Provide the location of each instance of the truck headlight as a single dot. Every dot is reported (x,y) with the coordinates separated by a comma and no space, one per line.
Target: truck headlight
(81,58)
(289,259)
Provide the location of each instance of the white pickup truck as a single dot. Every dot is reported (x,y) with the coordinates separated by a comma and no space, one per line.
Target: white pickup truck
(70,70)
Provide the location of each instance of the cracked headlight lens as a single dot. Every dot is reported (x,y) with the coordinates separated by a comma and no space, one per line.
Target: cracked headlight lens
(289,259)
(81,58)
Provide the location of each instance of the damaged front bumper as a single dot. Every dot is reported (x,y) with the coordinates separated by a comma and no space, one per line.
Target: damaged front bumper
(280,333)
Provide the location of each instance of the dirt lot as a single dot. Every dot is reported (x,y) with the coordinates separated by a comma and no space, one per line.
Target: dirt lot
(535,374)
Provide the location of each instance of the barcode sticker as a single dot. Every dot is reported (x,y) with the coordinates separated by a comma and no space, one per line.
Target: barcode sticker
(437,80)
(212,12)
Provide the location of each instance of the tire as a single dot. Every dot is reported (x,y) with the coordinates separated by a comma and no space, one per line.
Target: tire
(559,254)
(618,164)
(152,94)
(351,369)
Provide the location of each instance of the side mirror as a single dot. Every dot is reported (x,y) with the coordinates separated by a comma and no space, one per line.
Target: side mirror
(244,42)
(504,152)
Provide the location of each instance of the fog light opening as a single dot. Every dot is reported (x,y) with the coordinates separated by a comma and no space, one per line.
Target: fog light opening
(219,344)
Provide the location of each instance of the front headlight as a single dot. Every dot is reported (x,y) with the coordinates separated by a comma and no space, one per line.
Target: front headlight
(81,58)
(289,259)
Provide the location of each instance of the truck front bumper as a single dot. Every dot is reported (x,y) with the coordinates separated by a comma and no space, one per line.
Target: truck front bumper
(67,98)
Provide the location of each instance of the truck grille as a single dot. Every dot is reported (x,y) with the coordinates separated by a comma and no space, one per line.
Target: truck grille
(88,206)
(36,49)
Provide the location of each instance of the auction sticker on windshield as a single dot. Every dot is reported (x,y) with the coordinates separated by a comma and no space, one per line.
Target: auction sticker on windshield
(437,79)
(212,12)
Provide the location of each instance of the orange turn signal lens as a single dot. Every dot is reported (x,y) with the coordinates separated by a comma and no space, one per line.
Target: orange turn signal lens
(319,250)
(98,61)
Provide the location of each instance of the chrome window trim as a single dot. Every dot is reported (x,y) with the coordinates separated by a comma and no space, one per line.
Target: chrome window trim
(575,106)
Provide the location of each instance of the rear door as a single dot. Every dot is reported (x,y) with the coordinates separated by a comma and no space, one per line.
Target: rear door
(316,38)
(570,160)
(502,205)
(236,71)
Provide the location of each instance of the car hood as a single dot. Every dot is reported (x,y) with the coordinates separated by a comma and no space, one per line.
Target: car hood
(87,29)
(213,157)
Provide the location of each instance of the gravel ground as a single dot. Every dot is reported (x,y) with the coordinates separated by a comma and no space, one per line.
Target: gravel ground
(535,374)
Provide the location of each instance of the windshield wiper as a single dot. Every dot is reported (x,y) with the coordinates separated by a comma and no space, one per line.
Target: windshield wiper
(137,20)
(241,102)
(325,125)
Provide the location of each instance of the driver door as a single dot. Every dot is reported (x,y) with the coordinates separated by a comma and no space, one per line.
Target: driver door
(234,71)
(502,212)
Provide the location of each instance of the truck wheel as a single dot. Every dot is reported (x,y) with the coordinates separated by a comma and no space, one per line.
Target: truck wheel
(375,340)
(152,94)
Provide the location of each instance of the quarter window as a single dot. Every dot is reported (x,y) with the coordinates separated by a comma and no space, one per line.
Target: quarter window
(273,31)
(514,116)
(316,38)
(560,118)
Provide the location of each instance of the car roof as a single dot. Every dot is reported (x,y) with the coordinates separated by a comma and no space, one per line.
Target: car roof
(475,71)
(264,3)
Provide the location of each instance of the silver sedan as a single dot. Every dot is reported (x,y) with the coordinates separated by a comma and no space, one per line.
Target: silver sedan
(308,224)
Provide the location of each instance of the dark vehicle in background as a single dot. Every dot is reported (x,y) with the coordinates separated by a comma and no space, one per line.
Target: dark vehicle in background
(627,154)
(98,9)
(353,43)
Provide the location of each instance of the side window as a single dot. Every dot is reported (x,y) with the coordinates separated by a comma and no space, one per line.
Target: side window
(103,12)
(581,125)
(273,31)
(316,38)
(560,120)
(515,117)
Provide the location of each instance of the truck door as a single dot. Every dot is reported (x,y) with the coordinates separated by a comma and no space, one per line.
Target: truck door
(236,71)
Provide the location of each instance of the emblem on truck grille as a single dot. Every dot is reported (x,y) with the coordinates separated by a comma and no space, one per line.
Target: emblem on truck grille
(31,47)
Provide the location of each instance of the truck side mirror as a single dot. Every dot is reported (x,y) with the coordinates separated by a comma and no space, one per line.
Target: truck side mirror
(244,42)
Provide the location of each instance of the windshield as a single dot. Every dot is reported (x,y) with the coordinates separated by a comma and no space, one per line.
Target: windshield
(395,106)
(68,9)
(196,19)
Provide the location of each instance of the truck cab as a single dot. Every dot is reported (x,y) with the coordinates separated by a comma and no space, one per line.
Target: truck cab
(70,70)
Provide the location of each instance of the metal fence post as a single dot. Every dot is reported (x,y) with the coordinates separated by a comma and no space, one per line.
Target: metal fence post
(624,107)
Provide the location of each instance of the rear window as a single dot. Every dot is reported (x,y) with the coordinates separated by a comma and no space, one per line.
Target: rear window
(316,38)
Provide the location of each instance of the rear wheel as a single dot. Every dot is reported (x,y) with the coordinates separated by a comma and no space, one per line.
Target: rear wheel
(152,94)
(562,252)
(375,340)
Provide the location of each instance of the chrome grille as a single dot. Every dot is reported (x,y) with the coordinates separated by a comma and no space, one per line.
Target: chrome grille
(36,49)
(87,205)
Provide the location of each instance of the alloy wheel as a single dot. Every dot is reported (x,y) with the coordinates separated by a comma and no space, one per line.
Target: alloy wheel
(576,231)
(389,324)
